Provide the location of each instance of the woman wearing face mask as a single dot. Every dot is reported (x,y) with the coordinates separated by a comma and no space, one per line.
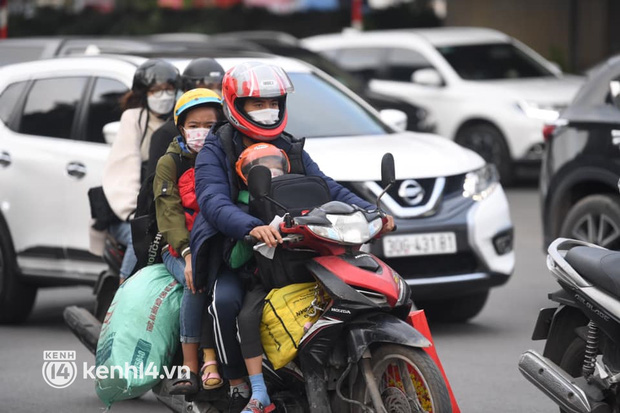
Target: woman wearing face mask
(175,206)
(146,108)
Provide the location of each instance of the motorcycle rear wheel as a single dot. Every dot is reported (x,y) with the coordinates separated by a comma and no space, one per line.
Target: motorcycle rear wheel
(424,392)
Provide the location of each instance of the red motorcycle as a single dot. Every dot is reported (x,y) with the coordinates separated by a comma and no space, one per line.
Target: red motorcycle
(362,354)
(365,353)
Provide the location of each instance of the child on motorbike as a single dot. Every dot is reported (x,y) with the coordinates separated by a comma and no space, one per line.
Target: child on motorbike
(204,73)
(175,205)
(258,154)
(255,105)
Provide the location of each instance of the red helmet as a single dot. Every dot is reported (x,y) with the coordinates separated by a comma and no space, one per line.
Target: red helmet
(262,154)
(255,80)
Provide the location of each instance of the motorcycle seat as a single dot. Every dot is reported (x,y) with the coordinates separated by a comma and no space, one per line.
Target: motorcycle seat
(599,266)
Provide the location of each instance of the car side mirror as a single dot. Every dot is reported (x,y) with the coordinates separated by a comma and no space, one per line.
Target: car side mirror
(395,118)
(427,77)
(259,181)
(110,130)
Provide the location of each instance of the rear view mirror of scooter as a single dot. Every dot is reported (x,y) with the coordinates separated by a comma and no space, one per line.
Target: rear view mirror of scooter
(388,174)
(259,185)
(259,182)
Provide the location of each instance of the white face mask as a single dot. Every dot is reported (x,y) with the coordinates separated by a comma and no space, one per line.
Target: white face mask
(265,116)
(162,105)
(195,138)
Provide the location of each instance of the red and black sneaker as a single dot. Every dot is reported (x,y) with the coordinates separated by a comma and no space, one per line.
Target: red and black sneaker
(254,406)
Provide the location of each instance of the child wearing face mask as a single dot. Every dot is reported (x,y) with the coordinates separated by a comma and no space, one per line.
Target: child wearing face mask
(146,107)
(175,206)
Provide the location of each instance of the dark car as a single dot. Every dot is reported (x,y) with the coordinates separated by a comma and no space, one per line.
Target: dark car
(18,50)
(581,166)
(284,44)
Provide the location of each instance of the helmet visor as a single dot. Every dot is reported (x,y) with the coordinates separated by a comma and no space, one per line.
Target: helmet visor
(278,165)
(261,80)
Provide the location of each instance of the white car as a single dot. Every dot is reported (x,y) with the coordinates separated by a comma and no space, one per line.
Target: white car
(487,91)
(454,237)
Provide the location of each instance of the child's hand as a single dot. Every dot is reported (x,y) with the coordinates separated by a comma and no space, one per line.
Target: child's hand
(267,234)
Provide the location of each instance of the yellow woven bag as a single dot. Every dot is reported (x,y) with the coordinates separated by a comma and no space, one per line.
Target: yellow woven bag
(287,312)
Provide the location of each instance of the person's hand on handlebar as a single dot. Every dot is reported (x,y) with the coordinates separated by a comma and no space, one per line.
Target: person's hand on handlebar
(267,234)
(389,225)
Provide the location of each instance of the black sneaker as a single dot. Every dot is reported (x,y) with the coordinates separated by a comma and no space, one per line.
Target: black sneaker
(236,401)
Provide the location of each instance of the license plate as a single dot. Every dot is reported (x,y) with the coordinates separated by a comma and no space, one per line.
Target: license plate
(419,244)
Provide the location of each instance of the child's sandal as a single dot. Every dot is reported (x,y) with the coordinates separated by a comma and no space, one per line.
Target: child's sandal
(209,375)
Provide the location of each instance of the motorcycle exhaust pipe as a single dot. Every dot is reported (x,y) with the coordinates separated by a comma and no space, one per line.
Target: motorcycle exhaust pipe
(554,382)
(84,326)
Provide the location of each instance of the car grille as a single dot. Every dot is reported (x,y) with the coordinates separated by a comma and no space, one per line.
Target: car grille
(435,265)
(453,187)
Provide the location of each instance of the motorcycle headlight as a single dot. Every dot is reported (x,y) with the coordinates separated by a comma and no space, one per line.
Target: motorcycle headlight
(403,289)
(480,183)
(348,229)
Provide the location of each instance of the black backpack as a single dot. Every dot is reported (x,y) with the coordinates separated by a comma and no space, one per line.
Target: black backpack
(299,194)
(146,238)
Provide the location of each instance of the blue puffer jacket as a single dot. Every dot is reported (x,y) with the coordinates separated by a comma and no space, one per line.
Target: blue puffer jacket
(214,180)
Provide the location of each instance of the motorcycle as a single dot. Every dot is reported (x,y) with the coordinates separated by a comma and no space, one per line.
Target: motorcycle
(363,353)
(580,366)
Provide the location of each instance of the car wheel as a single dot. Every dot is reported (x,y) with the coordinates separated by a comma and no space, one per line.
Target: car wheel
(594,219)
(487,141)
(16,298)
(455,310)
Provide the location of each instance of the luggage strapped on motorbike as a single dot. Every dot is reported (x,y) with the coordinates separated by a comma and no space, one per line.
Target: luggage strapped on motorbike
(288,314)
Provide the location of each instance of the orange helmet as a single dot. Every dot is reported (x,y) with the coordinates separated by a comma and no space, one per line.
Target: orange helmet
(262,154)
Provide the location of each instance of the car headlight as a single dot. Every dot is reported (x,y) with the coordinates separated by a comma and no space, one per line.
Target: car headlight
(538,111)
(480,183)
(348,229)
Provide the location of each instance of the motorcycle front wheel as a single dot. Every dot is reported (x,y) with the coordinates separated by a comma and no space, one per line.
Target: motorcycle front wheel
(408,380)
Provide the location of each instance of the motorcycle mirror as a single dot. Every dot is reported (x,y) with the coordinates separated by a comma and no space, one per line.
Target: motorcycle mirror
(388,174)
(259,181)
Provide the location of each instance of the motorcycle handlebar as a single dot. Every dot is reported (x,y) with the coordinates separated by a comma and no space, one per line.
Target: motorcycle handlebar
(250,240)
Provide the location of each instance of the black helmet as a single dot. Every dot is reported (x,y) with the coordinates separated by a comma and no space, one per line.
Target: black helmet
(204,70)
(152,72)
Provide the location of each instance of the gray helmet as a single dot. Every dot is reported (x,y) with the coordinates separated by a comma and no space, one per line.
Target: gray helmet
(204,70)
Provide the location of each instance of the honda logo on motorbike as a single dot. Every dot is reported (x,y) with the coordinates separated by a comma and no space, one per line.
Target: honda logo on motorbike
(411,192)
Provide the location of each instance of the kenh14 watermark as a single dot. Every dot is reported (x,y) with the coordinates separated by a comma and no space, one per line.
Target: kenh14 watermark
(60,370)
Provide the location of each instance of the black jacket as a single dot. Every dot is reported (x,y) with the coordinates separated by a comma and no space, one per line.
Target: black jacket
(160,141)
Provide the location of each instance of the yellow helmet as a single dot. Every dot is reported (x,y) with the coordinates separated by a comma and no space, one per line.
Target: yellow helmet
(193,98)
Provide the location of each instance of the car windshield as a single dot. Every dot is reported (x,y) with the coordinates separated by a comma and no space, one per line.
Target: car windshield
(319,109)
(492,61)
